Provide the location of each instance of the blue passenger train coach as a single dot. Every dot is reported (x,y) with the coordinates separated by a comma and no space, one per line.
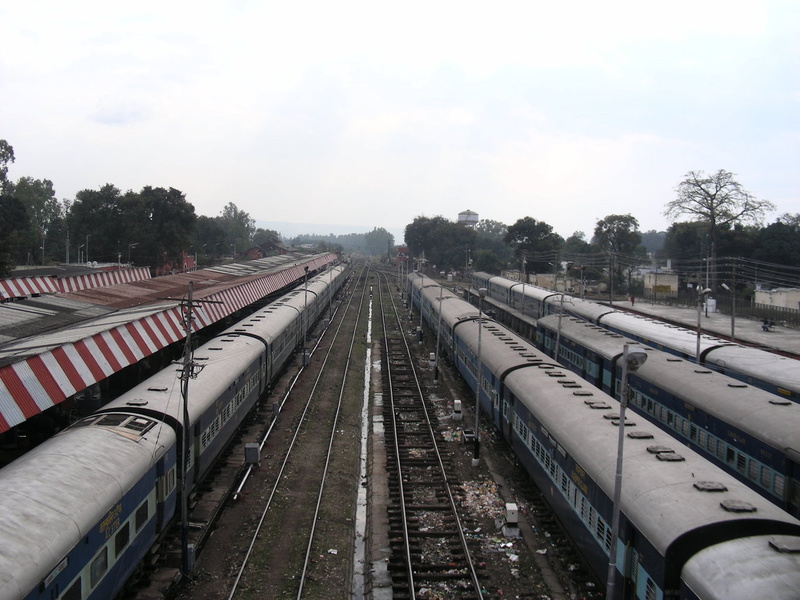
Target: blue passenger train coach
(80,512)
(684,524)
(748,432)
(774,373)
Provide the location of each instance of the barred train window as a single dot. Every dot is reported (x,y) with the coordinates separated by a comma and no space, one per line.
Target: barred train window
(766,477)
(752,470)
(779,485)
(650,590)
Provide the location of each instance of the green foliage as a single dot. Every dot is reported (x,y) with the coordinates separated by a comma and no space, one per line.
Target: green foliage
(154,225)
(618,234)
(493,253)
(653,241)
(377,242)
(6,157)
(576,245)
(238,228)
(266,236)
(444,244)
(779,242)
(535,240)
(12,215)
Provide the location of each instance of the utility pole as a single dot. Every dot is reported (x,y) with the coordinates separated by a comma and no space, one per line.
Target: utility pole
(189,370)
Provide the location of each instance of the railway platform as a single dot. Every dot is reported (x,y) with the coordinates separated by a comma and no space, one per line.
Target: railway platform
(746,331)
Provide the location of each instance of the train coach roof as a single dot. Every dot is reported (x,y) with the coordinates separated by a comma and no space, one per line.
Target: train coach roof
(766,569)
(658,332)
(79,473)
(754,411)
(161,393)
(779,370)
(597,339)
(658,494)
(503,350)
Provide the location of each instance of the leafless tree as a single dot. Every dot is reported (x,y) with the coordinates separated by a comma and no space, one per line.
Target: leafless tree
(718,201)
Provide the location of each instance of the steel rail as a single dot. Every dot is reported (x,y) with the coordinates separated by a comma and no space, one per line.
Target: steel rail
(281,470)
(473,576)
(329,450)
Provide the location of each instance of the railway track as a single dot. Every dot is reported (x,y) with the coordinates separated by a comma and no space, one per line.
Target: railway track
(296,517)
(428,541)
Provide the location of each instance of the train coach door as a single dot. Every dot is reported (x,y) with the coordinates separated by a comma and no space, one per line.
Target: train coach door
(161,494)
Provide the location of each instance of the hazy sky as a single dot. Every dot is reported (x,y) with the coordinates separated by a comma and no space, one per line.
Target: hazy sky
(372,113)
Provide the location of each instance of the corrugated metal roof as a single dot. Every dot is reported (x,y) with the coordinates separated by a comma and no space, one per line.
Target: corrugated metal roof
(83,337)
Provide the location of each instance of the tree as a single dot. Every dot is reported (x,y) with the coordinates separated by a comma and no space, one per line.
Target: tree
(98,226)
(718,201)
(684,241)
(209,239)
(377,242)
(619,237)
(653,241)
(168,232)
(576,245)
(495,252)
(440,241)
(43,210)
(13,220)
(266,236)
(537,241)
(779,242)
(6,157)
(239,228)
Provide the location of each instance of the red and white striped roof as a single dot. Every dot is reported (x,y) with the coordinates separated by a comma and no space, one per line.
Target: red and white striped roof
(74,283)
(19,287)
(55,366)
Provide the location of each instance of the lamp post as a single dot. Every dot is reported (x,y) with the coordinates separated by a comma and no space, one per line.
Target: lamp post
(701,294)
(476,456)
(632,359)
(131,245)
(733,311)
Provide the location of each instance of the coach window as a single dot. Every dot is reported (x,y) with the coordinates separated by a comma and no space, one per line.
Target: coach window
(141,516)
(766,477)
(741,463)
(99,567)
(74,592)
(121,539)
(650,590)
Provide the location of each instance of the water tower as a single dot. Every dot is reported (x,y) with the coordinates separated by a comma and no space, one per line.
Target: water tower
(468,218)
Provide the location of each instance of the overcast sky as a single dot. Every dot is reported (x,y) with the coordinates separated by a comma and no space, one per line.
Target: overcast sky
(371,113)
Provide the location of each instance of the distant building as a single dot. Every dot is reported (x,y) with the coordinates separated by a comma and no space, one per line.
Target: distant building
(661,283)
(468,218)
(783,297)
(266,249)
(401,255)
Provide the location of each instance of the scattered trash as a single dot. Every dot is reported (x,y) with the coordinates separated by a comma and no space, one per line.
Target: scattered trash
(333,551)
